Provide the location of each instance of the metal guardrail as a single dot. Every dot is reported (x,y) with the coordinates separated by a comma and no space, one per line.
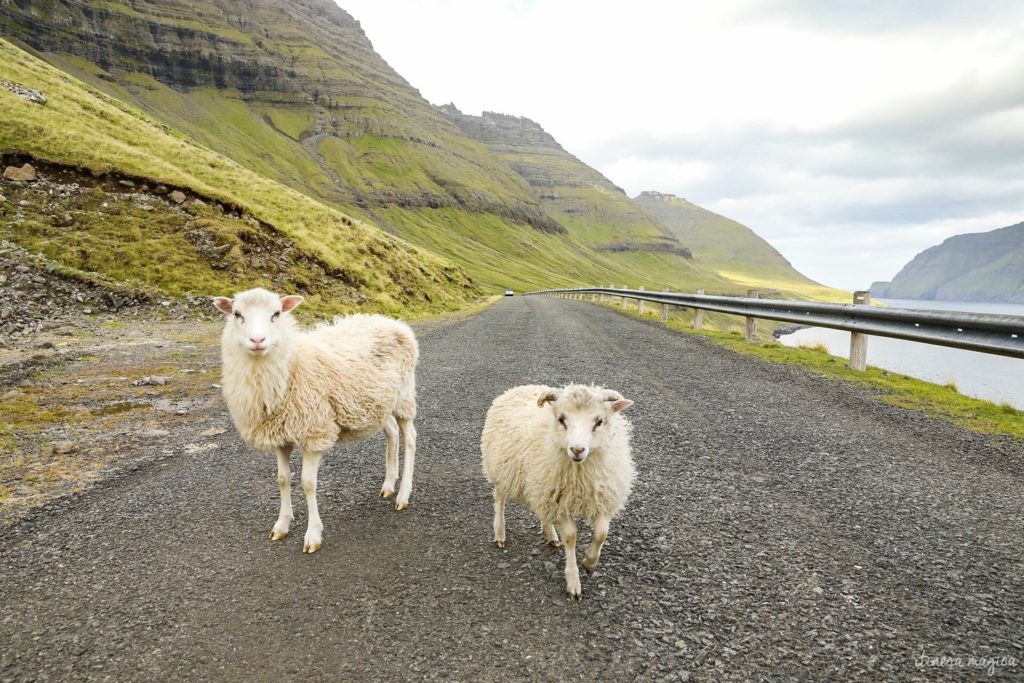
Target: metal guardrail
(984,332)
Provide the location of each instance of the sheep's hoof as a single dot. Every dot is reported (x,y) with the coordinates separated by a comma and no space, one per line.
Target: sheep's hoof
(588,567)
(277,535)
(573,589)
(311,547)
(387,492)
(401,506)
(500,544)
(555,544)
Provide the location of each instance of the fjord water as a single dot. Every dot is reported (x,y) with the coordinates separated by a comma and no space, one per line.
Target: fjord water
(982,375)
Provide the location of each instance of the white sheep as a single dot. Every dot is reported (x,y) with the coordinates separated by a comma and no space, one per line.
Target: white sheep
(339,382)
(565,453)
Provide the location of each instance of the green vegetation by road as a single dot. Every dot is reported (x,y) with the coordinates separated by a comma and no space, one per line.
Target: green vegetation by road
(941,401)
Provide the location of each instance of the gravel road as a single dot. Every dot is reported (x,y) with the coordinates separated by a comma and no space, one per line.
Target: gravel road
(783,527)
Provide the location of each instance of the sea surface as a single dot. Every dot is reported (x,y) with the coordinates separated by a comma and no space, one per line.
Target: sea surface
(982,375)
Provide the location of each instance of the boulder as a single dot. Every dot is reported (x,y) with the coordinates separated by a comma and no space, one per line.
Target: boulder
(177,196)
(25,173)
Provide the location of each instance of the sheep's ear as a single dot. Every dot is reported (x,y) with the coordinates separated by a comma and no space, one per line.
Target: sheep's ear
(621,405)
(290,302)
(223,304)
(547,397)
(618,403)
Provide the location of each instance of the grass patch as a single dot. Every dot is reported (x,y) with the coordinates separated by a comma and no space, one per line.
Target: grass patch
(942,401)
(91,401)
(817,346)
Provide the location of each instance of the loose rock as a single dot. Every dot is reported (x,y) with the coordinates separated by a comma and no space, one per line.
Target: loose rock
(26,173)
(63,447)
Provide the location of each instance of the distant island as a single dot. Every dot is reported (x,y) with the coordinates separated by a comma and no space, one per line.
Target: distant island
(986,266)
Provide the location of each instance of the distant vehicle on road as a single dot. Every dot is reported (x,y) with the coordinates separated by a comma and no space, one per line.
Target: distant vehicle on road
(509,292)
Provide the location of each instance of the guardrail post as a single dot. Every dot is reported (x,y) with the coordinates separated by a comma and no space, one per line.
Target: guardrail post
(698,314)
(858,340)
(622,299)
(640,304)
(664,309)
(752,321)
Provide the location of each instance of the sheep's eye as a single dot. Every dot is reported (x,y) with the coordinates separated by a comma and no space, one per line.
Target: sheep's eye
(274,317)
(598,422)
(561,420)
(239,316)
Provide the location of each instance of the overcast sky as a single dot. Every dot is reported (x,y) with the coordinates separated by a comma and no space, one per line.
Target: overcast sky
(850,135)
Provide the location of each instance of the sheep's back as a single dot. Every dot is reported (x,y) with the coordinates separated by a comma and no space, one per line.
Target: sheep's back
(514,433)
(346,379)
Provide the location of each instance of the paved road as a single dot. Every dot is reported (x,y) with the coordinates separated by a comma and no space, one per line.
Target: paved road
(782,526)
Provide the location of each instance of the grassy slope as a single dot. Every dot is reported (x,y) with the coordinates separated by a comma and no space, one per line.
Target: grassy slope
(495,251)
(592,208)
(941,401)
(306,62)
(498,258)
(100,133)
(733,250)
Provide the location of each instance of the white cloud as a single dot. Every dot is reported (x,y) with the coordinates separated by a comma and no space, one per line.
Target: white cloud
(850,135)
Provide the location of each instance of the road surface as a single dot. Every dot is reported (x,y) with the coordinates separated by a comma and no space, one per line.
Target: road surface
(782,526)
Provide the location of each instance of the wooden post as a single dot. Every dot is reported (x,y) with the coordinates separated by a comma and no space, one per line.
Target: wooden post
(664,309)
(622,299)
(858,340)
(752,321)
(640,304)
(698,315)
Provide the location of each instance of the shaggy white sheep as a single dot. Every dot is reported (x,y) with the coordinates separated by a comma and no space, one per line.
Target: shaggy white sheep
(565,453)
(339,382)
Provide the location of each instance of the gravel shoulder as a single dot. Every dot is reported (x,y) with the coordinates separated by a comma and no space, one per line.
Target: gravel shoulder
(783,527)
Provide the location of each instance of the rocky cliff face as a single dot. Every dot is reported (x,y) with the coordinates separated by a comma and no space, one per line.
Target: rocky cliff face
(501,129)
(578,196)
(987,266)
(186,45)
(292,89)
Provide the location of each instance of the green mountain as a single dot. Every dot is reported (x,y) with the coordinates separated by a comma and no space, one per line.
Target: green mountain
(242,229)
(729,248)
(579,197)
(294,92)
(986,266)
(594,210)
(282,113)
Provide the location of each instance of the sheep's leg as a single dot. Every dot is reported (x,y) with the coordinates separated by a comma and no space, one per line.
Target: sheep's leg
(499,519)
(550,534)
(405,490)
(315,528)
(567,527)
(391,433)
(594,551)
(284,482)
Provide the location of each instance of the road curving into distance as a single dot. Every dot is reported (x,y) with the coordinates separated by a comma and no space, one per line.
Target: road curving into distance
(782,525)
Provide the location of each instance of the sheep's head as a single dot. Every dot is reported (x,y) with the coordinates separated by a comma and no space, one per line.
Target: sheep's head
(256,318)
(583,416)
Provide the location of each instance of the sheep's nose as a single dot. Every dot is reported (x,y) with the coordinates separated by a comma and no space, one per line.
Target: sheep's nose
(257,340)
(577,450)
